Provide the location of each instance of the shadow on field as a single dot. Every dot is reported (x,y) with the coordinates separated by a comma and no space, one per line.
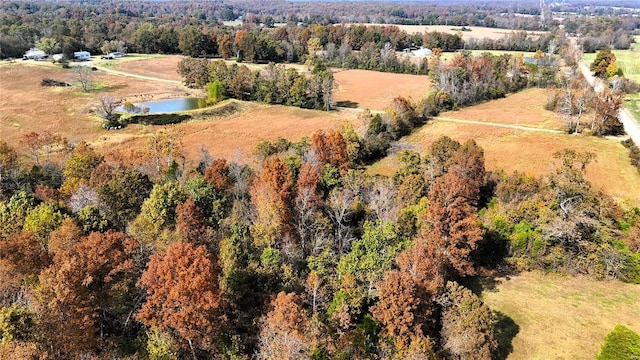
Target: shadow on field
(347,104)
(504,330)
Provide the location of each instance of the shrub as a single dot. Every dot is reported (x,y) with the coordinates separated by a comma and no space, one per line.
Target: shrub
(621,343)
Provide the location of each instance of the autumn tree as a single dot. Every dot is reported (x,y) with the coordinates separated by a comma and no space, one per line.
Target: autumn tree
(373,254)
(79,165)
(310,224)
(122,193)
(605,65)
(224,46)
(403,309)
(283,330)
(272,195)
(331,148)
(182,296)
(158,213)
(194,71)
(443,249)
(605,117)
(467,324)
(190,223)
(218,175)
(84,296)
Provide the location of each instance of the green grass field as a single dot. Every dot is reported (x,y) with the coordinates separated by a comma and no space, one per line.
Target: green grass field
(558,317)
(628,60)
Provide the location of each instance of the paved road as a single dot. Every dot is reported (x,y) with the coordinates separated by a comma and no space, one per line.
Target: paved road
(631,125)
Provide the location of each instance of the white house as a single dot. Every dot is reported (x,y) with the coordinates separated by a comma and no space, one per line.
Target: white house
(34,54)
(421,52)
(81,55)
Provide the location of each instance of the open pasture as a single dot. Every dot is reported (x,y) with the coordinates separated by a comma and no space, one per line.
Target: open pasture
(25,106)
(476,32)
(524,108)
(162,67)
(532,153)
(373,90)
(559,317)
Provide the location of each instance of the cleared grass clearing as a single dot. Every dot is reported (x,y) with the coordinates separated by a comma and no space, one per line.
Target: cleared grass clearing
(375,90)
(160,66)
(524,108)
(563,317)
(532,153)
(476,32)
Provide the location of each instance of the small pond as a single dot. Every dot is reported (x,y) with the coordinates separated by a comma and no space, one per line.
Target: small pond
(163,106)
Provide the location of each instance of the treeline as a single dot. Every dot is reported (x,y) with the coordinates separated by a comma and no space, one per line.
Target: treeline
(274,84)
(305,256)
(196,29)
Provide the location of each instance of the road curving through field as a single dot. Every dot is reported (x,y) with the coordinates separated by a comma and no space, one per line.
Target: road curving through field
(631,125)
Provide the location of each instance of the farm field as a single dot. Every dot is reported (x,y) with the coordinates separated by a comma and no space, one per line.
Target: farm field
(522,108)
(476,32)
(559,317)
(375,90)
(527,151)
(25,106)
(234,135)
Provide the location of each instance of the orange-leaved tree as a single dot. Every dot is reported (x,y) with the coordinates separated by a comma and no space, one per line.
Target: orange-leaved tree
(182,295)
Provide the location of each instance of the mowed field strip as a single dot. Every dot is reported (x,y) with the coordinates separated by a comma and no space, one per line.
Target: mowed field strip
(563,317)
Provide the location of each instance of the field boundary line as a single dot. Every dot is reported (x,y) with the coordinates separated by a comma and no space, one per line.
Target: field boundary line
(494,124)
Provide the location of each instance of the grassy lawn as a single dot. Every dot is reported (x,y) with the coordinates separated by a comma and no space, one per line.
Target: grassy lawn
(557,317)
(628,60)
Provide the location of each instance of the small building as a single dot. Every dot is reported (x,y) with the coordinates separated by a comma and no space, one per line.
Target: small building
(81,55)
(421,52)
(34,54)
(58,57)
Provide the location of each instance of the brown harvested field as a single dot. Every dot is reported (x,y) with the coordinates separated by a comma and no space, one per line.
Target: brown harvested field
(375,90)
(525,108)
(532,153)
(477,32)
(164,67)
(563,317)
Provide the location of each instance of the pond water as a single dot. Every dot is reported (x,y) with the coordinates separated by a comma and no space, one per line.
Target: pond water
(164,106)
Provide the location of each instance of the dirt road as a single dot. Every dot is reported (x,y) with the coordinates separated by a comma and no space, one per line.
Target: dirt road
(631,125)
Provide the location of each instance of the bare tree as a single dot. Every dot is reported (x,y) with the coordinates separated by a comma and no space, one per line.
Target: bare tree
(83,76)
(106,107)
